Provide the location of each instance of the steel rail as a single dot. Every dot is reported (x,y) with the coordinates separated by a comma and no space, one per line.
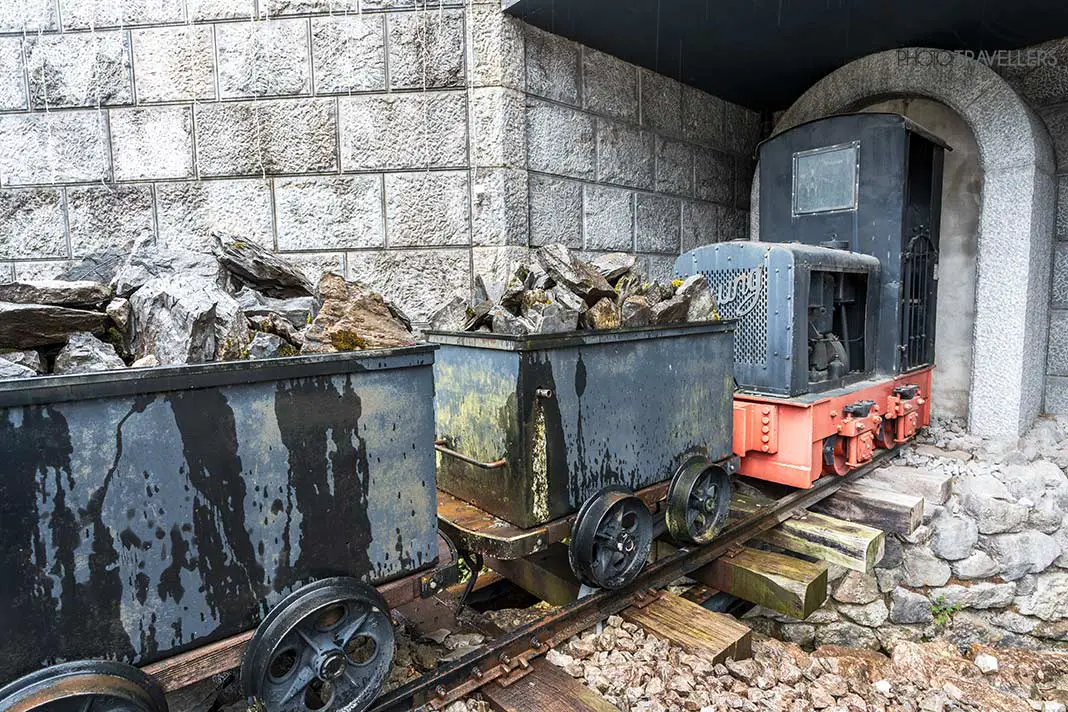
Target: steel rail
(508,657)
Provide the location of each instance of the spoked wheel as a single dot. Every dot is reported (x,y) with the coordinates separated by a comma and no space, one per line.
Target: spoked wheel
(610,539)
(327,646)
(698,502)
(834,459)
(84,686)
(885,436)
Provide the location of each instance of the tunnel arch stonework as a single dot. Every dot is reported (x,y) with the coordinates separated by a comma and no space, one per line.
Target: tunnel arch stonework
(1015,223)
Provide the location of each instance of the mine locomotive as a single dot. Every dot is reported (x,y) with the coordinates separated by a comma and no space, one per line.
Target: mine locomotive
(835,304)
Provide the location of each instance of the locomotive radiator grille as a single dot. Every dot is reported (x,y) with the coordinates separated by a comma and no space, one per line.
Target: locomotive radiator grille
(751,335)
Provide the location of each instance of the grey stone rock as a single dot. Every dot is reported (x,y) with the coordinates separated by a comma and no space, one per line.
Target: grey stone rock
(674,167)
(1046,516)
(56,292)
(1025,585)
(573,273)
(611,85)
(978,565)
(174,64)
(348,53)
(131,271)
(602,315)
(298,311)
(264,345)
(552,67)
(118,310)
(552,318)
(609,218)
(847,634)
(29,358)
(893,552)
(702,305)
(909,607)
(923,568)
(73,70)
(802,634)
(183,319)
(1049,600)
(267,137)
(555,211)
(428,208)
(657,223)
(856,588)
(54,147)
(967,629)
(452,316)
(189,213)
(952,537)
(149,361)
(408,130)
(84,353)
(979,595)
(670,311)
(1023,553)
(426,49)
(614,265)
(264,271)
(625,155)
(504,322)
(329,213)
(1025,481)
(872,614)
(9,369)
(263,58)
(28,326)
(560,141)
(1012,621)
(570,301)
(992,514)
(102,217)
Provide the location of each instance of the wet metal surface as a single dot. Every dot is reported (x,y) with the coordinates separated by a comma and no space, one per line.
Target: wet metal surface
(574,413)
(141,515)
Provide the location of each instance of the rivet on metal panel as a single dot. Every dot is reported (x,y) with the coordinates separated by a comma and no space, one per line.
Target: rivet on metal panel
(765,448)
(765,438)
(765,420)
(766,411)
(765,428)
(833,414)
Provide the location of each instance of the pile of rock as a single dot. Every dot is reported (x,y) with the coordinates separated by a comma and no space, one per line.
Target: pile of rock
(558,292)
(154,305)
(637,671)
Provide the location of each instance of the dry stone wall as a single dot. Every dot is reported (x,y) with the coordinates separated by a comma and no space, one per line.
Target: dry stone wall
(988,566)
(404,144)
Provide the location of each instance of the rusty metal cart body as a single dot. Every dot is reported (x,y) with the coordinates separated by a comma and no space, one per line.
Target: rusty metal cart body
(148,513)
(538,434)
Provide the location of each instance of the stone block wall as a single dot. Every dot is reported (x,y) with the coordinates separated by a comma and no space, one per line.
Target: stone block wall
(1043,85)
(989,565)
(408,145)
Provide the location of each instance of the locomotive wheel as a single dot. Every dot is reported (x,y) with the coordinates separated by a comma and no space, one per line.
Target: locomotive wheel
(834,459)
(93,685)
(698,502)
(885,436)
(327,646)
(610,539)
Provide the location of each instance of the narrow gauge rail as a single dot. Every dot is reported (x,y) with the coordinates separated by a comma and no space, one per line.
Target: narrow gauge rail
(509,657)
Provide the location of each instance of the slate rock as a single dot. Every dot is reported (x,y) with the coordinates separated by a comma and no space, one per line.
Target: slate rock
(551,318)
(702,305)
(264,345)
(275,324)
(953,538)
(614,265)
(183,319)
(1023,553)
(506,323)
(56,292)
(84,353)
(353,318)
(150,262)
(99,266)
(567,299)
(451,316)
(118,310)
(602,315)
(635,312)
(670,311)
(28,326)
(29,358)
(573,273)
(10,369)
(262,269)
(298,311)
(909,607)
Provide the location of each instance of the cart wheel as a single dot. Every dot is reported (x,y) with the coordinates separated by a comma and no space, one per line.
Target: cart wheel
(327,646)
(698,502)
(885,436)
(85,685)
(834,459)
(610,539)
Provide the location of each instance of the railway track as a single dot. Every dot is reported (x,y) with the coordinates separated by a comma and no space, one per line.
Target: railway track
(512,655)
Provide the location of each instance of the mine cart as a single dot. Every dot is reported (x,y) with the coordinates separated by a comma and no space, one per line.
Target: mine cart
(615,425)
(147,513)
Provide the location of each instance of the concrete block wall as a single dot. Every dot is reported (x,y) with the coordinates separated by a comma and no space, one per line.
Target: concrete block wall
(1044,86)
(409,145)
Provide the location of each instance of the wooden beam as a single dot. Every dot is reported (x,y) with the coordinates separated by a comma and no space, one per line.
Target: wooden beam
(546,688)
(695,629)
(546,574)
(934,487)
(779,582)
(836,541)
(880,508)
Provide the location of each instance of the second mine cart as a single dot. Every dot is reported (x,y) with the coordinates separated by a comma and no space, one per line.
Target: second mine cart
(615,426)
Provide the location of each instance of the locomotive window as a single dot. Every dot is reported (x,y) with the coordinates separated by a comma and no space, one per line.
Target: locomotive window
(825,179)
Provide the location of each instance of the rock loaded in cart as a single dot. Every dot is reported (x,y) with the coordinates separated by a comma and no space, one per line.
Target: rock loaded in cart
(557,292)
(151,305)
